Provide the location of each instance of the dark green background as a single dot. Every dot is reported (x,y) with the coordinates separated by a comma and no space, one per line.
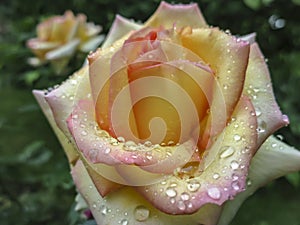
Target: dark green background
(35,184)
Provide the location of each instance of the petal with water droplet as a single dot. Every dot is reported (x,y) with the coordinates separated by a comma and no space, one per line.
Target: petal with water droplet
(258,87)
(127,204)
(274,159)
(232,169)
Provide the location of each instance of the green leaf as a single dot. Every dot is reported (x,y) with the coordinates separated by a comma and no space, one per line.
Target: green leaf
(294,179)
(253,4)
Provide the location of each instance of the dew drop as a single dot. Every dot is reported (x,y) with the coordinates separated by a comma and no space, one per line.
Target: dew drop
(226,152)
(124,222)
(236,137)
(181,205)
(258,111)
(193,186)
(214,193)
(249,183)
(121,139)
(234,165)
(280,137)
(216,176)
(235,185)
(84,133)
(148,144)
(141,213)
(185,196)
(171,192)
(107,150)
(172,200)
(103,210)
(274,145)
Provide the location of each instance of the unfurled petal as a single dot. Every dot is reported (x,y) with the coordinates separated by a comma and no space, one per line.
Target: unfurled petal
(70,150)
(63,99)
(92,44)
(128,207)
(168,16)
(274,159)
(226,56)
(63,51)
(120,27)
(117,160)
(258,87)
(222,172)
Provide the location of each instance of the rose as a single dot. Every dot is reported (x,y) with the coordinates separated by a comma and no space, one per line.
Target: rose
(195,160)
(58,37)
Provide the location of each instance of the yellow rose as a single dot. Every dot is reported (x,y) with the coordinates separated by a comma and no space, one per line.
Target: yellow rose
(161,126)
(58,38)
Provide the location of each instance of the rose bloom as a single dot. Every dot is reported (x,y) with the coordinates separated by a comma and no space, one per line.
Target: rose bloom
(58,38)
(170,122)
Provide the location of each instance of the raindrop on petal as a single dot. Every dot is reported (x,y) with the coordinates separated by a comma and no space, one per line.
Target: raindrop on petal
(214,193)
(141,213)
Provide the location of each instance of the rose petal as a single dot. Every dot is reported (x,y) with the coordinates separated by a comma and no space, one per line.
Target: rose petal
(274,159)
(259,88)
(222,172)
(127,206)
(120,27)
(91,44)
(168,15)
(66,144)
(226,56)
(63,98)
(116,160)
(63,51)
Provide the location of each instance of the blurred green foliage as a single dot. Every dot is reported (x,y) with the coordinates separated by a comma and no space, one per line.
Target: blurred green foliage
(36,187)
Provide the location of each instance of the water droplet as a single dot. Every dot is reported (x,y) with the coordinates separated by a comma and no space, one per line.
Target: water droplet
(274,145)
(181,205)
(94,205)
(249,183)
(190,205)
(172,200)
(171,192)
(214,193)
(173,184)
(103,210)
(236,137)
(285,119)
(216,176)
(124,222)
(185,196)
(148,144)
(84,133)
(280,137)
(235,185)
(226,151)
(107,150)
(234,165)
(141,213)
(121,139)
(258,111)
(130,146)
(225,86)
(193,186)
